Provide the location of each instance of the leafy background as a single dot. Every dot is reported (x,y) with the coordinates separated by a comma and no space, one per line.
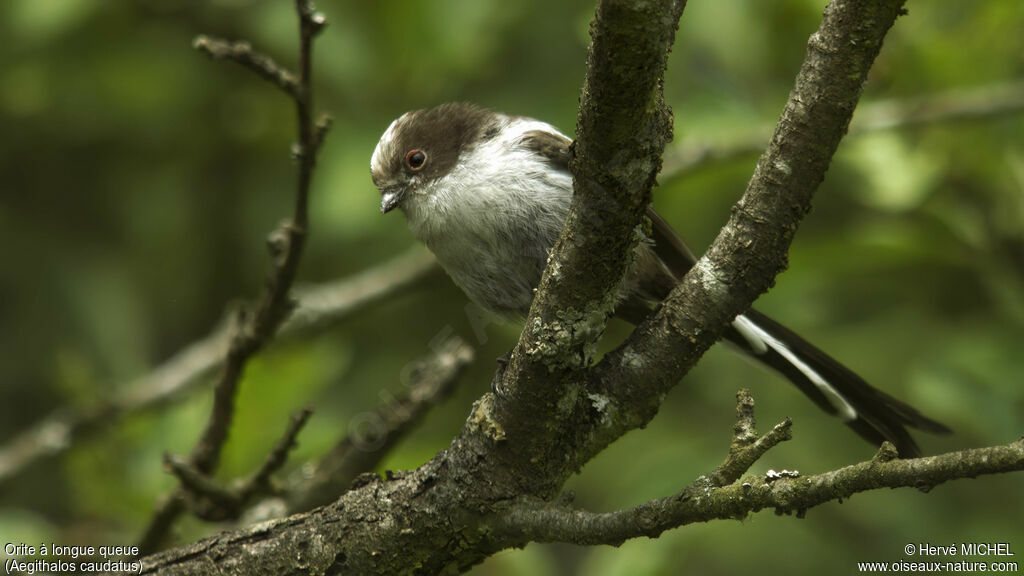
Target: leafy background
(139,181)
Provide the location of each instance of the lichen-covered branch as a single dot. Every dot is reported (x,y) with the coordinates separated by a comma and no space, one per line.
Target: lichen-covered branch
(622,129)
(752,247)
(747,447)
(719,496)
(538,521)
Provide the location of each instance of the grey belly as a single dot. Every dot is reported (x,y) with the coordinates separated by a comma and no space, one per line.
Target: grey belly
(502,286)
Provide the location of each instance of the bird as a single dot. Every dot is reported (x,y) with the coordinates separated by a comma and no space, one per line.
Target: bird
(488,194)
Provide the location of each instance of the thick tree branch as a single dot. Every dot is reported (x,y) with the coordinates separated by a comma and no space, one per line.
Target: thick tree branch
(752,247)
(622,129)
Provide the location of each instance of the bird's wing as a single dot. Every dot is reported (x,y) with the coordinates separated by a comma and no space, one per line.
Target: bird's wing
(668,245)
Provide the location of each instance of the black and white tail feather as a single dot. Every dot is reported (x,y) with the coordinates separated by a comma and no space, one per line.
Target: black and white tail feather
(871,413)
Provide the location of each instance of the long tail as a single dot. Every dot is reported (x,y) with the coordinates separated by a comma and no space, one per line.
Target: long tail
(871,413)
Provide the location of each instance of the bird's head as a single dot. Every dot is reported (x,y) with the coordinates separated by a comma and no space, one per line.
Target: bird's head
(423,146)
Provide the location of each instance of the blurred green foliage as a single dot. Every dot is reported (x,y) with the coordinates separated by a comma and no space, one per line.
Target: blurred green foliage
(139,181)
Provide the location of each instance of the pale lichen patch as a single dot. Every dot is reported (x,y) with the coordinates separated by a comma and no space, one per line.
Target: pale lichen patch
(783,167)
(483,420)
(606,409)
(632,360)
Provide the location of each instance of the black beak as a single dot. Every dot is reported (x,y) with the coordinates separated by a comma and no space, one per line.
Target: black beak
(391,197)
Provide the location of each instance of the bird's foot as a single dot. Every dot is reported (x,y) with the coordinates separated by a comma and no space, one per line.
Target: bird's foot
(499,373)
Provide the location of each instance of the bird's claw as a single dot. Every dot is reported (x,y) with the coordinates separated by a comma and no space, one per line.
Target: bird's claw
(499,373)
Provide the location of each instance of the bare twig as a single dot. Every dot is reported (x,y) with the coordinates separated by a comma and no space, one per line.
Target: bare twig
(319,307)
(973,104)
(535,520)
(747,447)
(242,53)
(430,380)
(744,432)
(278,456)
(210,500)
(255,327)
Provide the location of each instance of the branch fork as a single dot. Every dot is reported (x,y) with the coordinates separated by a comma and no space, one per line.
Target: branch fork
(723,494)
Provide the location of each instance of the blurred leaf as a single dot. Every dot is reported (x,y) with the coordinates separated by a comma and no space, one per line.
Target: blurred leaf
(42,21)
(898,178)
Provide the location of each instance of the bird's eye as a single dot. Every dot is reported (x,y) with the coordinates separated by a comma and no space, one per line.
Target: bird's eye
(415,159)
